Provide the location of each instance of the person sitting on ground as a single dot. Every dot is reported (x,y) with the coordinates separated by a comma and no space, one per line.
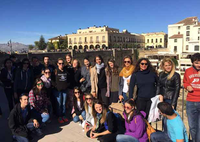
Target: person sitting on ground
(89,121)
(105,123)
(39,101)
(176,131)
(134,123)
(20,121)
(78,111)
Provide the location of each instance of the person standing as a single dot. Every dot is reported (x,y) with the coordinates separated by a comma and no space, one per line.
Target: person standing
(37,67)
(146,79)
(77,73)
(124,78)
(191,83)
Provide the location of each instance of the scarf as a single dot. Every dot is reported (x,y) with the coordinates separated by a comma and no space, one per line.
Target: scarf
(99,115)
(127,71)
(99,67)
(47,81)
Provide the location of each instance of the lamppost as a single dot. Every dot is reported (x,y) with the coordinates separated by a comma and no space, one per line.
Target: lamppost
(10,44)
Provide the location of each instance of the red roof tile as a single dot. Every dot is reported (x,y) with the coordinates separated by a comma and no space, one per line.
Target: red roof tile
(188,21)
(176,36)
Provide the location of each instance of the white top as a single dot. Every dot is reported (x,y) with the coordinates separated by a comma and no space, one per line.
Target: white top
(79,105)
(125,88)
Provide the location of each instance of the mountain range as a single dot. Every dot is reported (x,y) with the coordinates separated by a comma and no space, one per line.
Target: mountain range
(15,47)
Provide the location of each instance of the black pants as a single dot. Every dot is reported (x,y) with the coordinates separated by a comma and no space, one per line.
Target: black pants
(102,96)
(113,97)
(9,95)
(144,104)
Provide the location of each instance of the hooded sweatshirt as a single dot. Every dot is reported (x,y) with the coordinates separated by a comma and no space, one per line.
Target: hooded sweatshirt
(137,127)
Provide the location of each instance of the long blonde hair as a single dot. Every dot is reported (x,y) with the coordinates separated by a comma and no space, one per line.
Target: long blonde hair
(173,67)
(86,104)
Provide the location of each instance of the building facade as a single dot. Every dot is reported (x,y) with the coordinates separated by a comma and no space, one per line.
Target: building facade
(155,40)
(103,38)
(184,36)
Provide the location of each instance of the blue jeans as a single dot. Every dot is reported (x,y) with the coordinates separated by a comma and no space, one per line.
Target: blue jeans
(160,137)
(76,118)
(61,97)
(125,97)
(45,117)
(125,138)
(193,113)
(40,117)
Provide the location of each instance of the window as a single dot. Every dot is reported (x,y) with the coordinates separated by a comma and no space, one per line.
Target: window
(187,47)
(198,30)
(198,37)
(123,39)
(70,41)
(110,39)
(91,39)
(103,38)
(75,41)
(175,40)
(80,40)
(187,33)
(188,28)
(179,27)
(178,33)
(187,39)
(151,40)
(147,40)
(85,39)
(196,48)
(160,40)
(97,38)
(114,39)
(156,40)
(175,48)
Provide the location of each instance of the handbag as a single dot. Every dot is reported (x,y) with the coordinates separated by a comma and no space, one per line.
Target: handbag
(117,108)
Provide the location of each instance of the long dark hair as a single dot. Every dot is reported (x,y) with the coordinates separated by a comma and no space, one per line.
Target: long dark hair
(133,112)
(115,68)
(36,90)
(149,65)
(6,60)
(75,99)
(100,57)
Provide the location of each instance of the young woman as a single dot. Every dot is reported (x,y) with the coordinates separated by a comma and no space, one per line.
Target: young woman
(85,80)
(7,78)
(145,77)
(78,113)
(62,83)
(112,76)
(169,82)
(24,79)
(77,72)
(134,123)
(124,78)
(105,123)
(46,78)
(39,101)
(98,80)
(89,121)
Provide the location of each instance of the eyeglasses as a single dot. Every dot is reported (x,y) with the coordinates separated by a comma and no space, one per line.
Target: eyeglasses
(88,98)
(39,84)
(76,92)
(61,63)
(47,72)
(127,107)
(127,61)
(144,64)
(25,63)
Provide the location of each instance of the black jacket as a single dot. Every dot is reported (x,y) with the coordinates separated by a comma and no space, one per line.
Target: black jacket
(16,122)
(170,89)
(3,77)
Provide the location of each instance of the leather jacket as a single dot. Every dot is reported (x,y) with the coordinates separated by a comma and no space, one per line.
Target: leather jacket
(169,89)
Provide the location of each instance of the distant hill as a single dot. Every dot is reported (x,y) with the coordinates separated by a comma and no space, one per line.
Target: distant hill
(15,47)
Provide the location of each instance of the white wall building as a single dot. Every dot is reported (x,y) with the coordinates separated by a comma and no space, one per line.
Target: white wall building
(184,36)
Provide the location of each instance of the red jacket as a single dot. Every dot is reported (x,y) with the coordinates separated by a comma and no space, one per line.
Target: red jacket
(192,78)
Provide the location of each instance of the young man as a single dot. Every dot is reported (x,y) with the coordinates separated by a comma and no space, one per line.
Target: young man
(176,131)
(191,83)
(37,67)
(20,121)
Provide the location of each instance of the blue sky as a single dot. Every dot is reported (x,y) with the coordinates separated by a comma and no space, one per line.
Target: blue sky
(25,21)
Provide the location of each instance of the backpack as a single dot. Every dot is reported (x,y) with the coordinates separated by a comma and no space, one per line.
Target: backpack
(149,128)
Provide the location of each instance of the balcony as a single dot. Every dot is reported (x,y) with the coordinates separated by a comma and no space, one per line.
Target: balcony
(80,42)
(91,41)
(97,42)
(75,42)
(103,41)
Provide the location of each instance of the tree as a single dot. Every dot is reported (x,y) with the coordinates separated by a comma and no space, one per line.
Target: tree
(64,44)
(36,44)
(42,44)
(30,47)
(50,46)
(136,54)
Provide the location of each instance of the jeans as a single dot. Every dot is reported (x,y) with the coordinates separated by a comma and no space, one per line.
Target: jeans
(45,117)
(193,113)
(76,118)
(126,138)
(160,137)
(61,97)
(42,118)
(125,97)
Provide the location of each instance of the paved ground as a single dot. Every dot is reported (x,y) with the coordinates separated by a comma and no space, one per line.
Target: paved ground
(53,132)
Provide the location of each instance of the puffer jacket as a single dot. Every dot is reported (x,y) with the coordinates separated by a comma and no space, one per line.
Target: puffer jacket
(169,89)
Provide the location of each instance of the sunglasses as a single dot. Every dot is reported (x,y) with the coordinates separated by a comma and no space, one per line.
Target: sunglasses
(144,64)
(88,98)
(76,92)
(127,61)
(127,107)
(39,84)
(47,72)
(61,63)
(25,63)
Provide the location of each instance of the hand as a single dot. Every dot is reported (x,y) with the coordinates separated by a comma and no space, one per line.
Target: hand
(128,81)
(35,123)
(15,95)
(80,117)
(94,95)
(161,98)
(190,89)
(173,107)
(95,135)
(82,79)
(121,98)
(74,115)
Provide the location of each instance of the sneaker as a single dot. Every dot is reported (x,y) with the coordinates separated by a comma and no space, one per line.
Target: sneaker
(65,119)
(80,122)
(39,132)
(60,120)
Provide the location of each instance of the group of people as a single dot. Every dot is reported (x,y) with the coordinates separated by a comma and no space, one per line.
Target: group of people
(85,94)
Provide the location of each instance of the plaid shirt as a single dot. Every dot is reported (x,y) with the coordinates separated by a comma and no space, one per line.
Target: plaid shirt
(40,102)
